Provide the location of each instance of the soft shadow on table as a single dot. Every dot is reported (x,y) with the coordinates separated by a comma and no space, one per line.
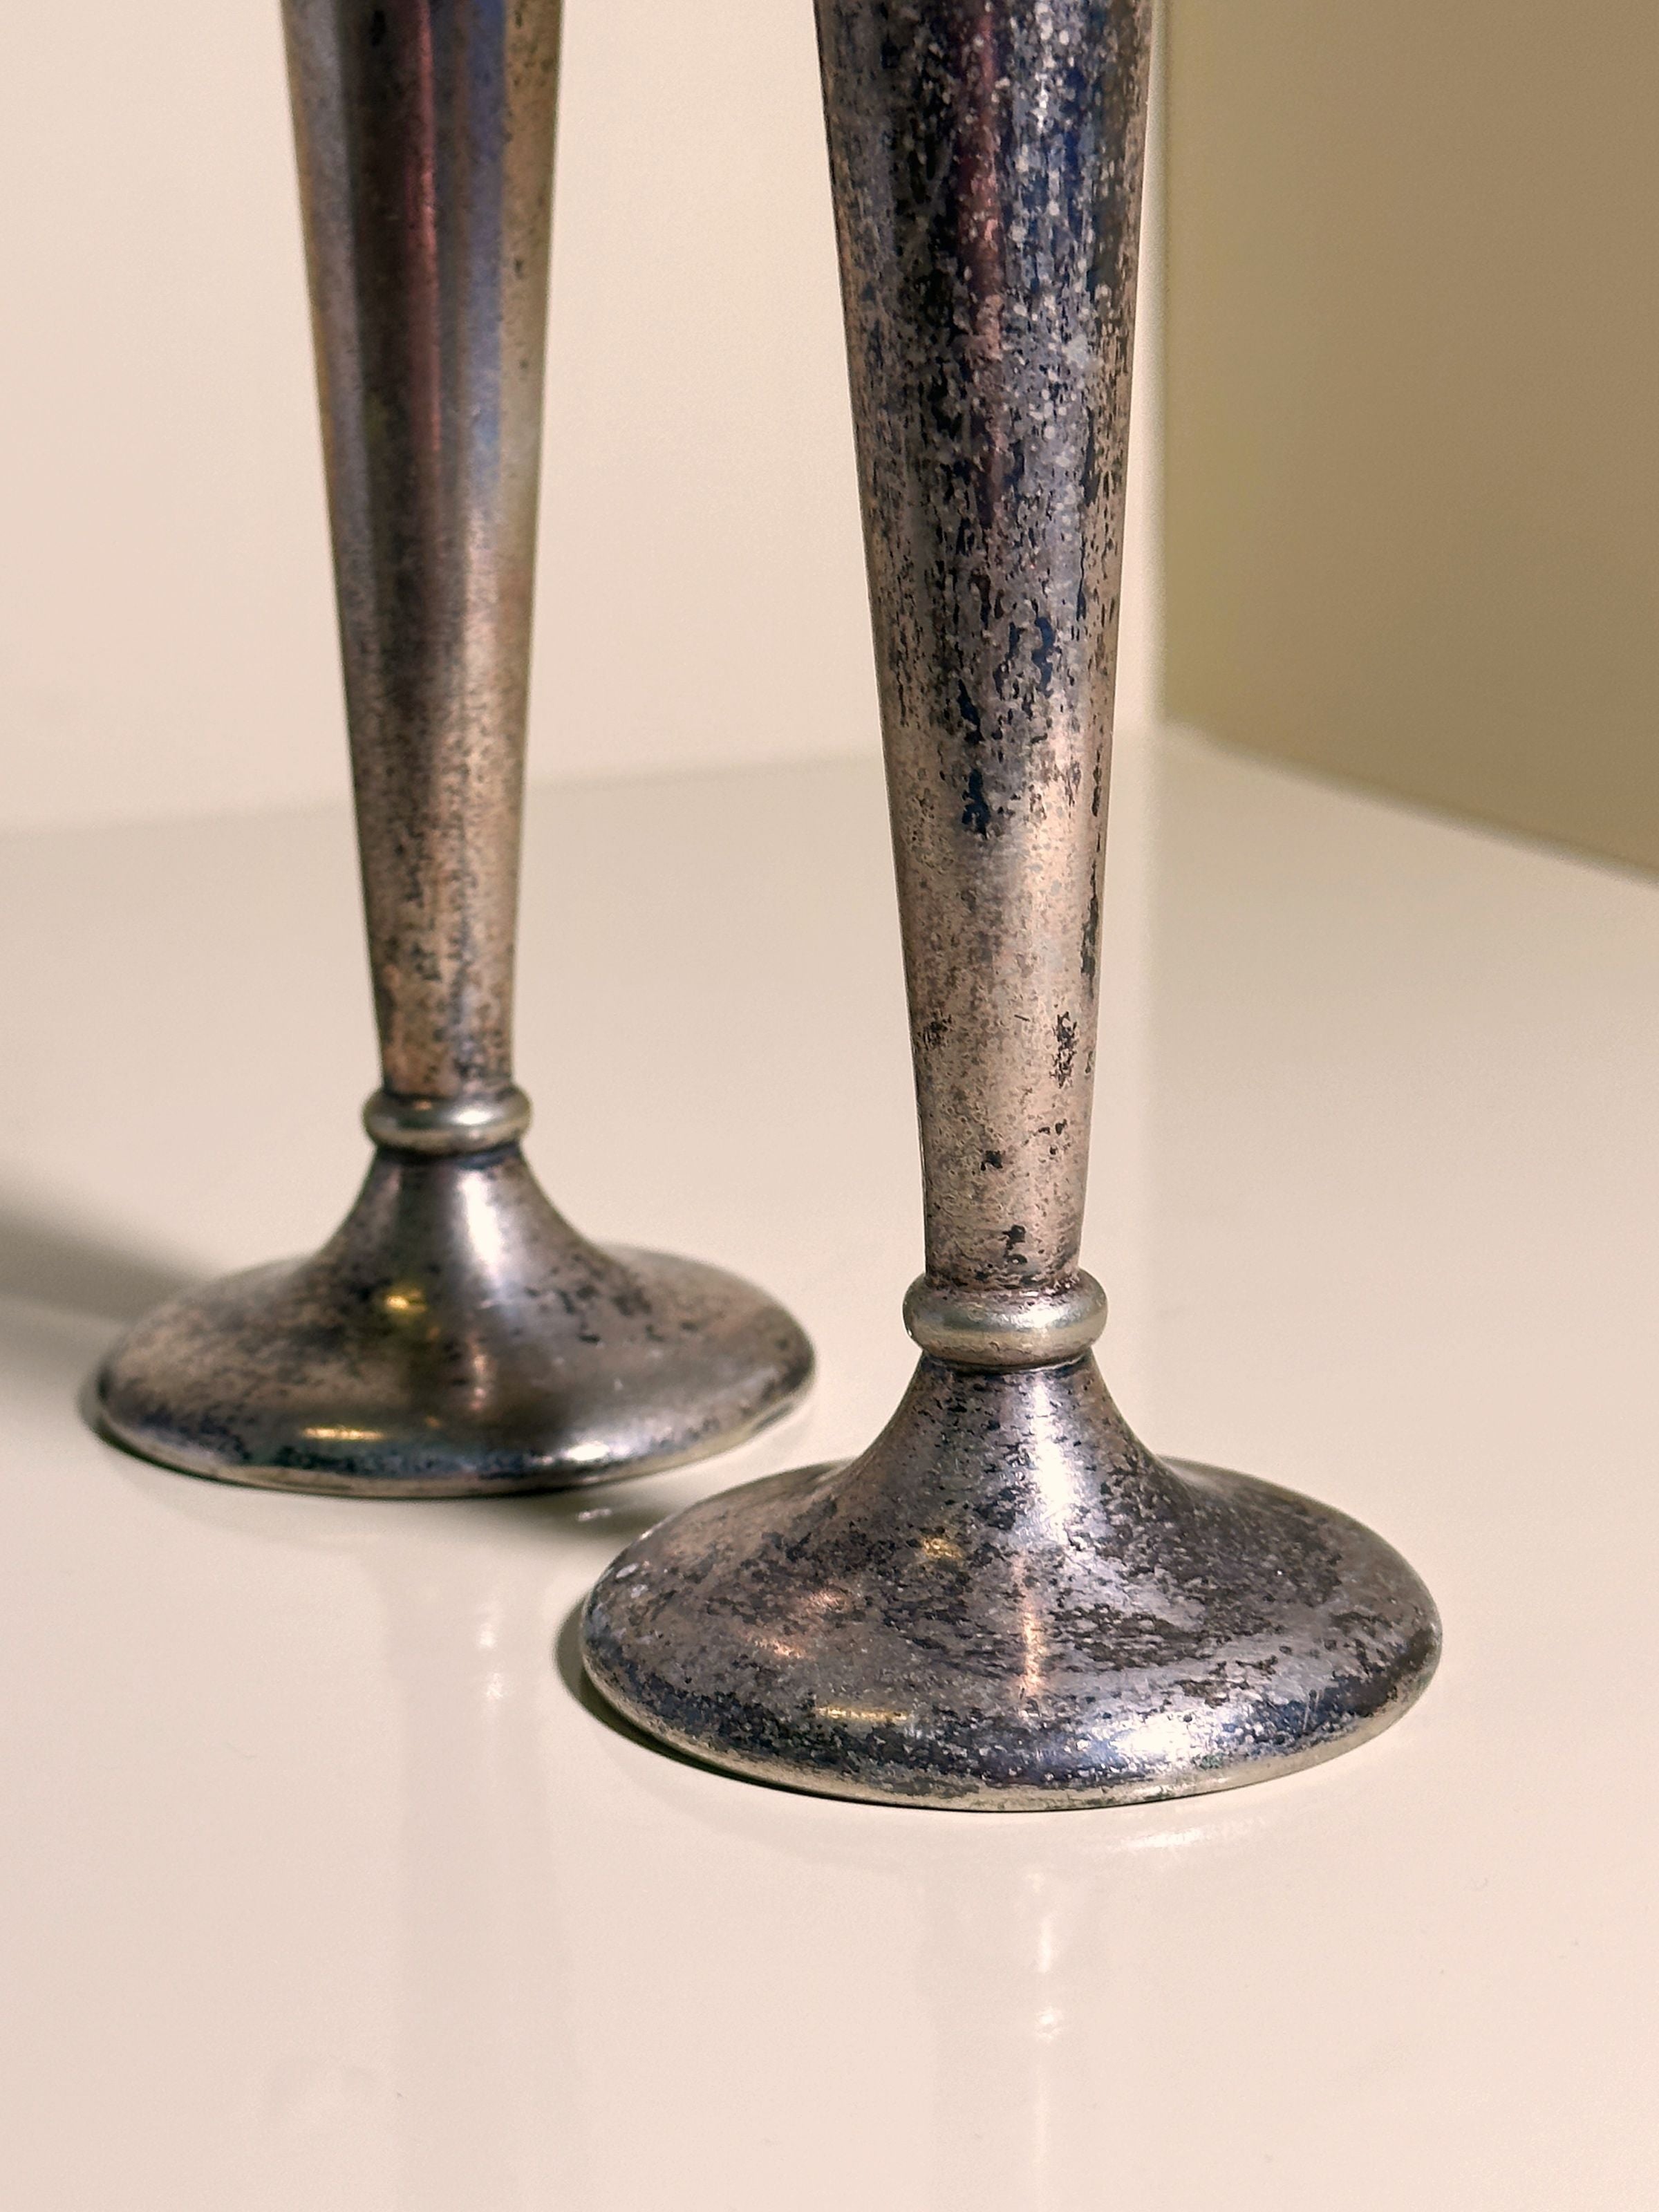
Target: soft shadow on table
(567,1658)
(52,1263)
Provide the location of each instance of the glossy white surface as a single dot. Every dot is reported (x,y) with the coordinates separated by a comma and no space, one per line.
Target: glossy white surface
(321,1888)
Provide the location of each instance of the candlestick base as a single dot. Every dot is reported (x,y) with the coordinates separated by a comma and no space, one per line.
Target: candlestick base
(455,1339)
(1008,1604)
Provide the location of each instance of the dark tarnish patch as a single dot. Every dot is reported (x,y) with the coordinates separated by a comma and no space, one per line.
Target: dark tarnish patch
(1065,1035)
(976,813)
(1091,953)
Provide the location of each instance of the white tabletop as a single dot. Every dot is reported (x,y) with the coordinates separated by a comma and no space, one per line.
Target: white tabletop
(323,1886)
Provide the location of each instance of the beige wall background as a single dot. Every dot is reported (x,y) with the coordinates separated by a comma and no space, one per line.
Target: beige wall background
(1413,399)
(167,642)
(1412,332)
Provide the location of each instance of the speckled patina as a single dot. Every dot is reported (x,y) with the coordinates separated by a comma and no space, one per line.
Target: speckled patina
(1007,1602)
(457,1334)
(986,164)
(456,1338)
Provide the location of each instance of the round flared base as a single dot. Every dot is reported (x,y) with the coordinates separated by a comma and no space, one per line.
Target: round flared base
(455,1339)
(1008,1604)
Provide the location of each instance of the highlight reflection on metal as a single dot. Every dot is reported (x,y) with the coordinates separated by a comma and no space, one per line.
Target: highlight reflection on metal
(456,1335)
(1007,1602)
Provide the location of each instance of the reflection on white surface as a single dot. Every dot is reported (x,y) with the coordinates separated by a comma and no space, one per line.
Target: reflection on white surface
(1021,2093)
(483,2012)
(321,1888)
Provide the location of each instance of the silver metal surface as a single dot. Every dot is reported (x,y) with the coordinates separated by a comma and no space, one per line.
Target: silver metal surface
(457,1335)
(1006,1603)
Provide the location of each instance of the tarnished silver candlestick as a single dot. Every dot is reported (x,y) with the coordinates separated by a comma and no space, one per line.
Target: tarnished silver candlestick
(1007,1602)
(456,1336)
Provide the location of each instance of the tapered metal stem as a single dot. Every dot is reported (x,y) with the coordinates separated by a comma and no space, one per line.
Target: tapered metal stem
(456,1335)
(986,163)
(425,142)
(1007,1602)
